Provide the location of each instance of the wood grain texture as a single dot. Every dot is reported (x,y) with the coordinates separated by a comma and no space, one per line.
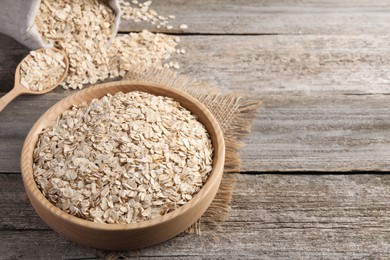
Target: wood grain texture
(323,133)
(308,65)
(290,133)
(282,216)
(272,17)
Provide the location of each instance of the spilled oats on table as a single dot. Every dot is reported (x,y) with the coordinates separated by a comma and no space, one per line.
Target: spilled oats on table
(84,29)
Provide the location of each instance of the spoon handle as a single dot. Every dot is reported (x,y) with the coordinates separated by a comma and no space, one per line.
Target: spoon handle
(8,98)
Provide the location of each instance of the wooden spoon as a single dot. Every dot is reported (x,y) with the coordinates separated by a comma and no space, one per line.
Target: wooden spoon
(19,89)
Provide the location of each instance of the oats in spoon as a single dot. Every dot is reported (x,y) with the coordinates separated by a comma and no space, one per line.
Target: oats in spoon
(42,69)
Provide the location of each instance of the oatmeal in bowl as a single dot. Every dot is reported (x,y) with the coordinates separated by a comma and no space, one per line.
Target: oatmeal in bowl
(133,159)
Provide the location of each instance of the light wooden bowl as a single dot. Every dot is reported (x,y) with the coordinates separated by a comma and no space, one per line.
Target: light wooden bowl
(124,236)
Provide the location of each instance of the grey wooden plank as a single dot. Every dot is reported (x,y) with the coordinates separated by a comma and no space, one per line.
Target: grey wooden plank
(338,133)
(279,216)
(309,65)
(40,245)
(232,245)
(17,212)
(272,17)
(290,133)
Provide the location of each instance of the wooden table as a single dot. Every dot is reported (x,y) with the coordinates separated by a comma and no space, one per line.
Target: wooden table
(313,182)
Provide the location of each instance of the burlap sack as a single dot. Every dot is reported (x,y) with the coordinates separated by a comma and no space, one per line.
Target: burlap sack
(17,20)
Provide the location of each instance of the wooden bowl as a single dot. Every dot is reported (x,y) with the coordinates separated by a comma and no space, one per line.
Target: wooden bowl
(124,236)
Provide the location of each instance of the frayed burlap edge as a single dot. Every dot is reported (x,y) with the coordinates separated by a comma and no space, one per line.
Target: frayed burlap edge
(234,112)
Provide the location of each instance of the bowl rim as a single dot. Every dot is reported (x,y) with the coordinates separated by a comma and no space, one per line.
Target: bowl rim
(29,146)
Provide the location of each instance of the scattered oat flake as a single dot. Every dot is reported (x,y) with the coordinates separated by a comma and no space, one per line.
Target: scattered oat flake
(140,11)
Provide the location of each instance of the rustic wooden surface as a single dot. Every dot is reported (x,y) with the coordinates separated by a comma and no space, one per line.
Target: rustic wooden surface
(285,216)
(313,183)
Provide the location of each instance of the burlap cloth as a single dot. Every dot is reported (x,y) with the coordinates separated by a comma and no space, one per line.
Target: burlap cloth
(234,112)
